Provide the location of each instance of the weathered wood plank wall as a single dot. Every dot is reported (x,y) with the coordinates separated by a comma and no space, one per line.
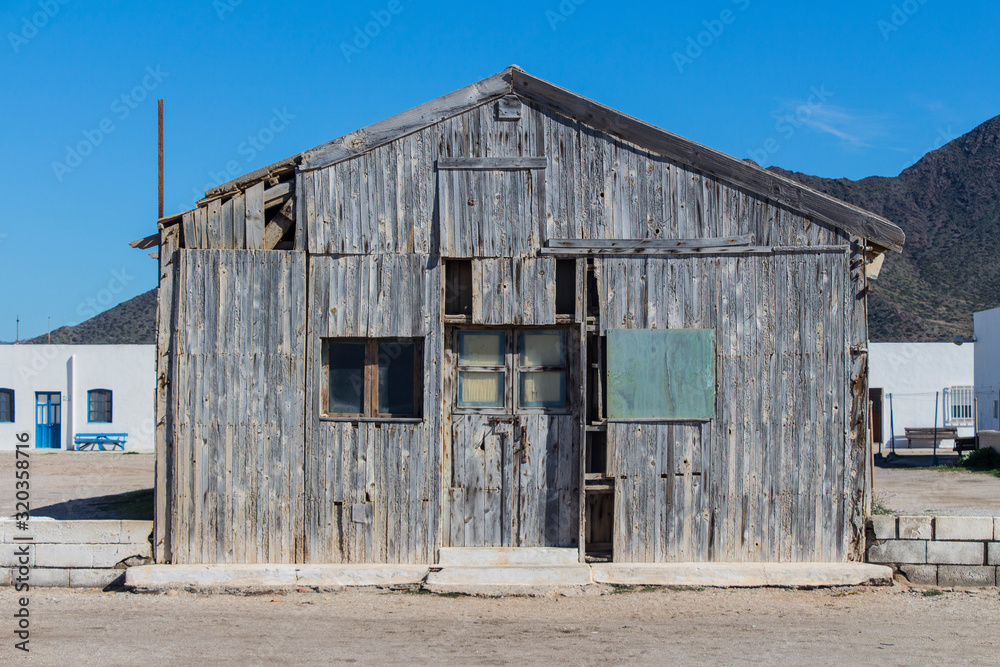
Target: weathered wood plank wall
(372,490)
(776,475)
(769,478)
(239,391)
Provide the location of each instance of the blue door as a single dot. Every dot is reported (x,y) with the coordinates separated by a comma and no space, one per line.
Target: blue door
(48,419)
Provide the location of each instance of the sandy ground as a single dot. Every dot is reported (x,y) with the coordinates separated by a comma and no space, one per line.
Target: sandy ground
(909,490)
(892,626)
(65,484)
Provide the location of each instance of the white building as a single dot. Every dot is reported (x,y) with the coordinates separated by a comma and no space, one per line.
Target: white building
(55,392)
(914,375)
(987,327)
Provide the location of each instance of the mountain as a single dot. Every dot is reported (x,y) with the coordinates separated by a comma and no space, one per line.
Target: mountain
(948,204)
(131,322)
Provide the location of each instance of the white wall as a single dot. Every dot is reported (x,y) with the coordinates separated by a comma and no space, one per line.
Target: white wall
(987,328)
(129,371)
(912,373)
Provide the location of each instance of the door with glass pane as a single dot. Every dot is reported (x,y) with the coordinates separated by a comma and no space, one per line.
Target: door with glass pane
(514,437)
(48,419)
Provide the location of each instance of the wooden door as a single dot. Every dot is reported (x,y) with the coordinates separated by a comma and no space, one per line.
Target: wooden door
(514,438)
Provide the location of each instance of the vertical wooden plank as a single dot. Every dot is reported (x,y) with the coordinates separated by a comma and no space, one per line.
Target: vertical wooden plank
(254,217)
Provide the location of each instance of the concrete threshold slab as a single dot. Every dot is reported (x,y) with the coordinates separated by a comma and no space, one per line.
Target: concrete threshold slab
(742,575)
(270,577)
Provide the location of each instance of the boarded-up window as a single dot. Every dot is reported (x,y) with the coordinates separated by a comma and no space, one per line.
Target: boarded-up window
(661,374)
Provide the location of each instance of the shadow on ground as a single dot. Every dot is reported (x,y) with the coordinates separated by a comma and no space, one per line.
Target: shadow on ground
(134,505)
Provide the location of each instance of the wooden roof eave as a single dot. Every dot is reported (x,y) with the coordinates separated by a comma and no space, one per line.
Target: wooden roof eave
(749,176)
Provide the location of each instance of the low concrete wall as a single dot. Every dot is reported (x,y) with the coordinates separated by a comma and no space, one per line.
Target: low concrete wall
(79,554)
(990,439)
(939,551)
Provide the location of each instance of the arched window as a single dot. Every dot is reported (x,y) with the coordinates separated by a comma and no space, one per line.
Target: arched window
(99,406)
(6,405)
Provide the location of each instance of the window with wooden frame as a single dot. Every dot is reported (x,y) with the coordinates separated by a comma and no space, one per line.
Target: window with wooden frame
(521,370)
(99,406)
(6,405)
(373,378)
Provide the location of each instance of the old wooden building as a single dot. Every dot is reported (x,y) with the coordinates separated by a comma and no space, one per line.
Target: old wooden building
(513,317)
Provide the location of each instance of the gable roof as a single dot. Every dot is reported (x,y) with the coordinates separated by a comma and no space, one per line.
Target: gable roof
(516,81)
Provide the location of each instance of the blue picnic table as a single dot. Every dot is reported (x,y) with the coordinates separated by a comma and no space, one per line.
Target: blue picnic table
(98,441)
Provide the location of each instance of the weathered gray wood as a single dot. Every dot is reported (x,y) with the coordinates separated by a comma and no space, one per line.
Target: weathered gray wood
(279,225)
(407,122)
(492,163)
(625,244)
(733,170)
(254,217)
(652,249)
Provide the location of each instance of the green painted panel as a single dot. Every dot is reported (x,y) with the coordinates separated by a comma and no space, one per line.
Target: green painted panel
(661,373)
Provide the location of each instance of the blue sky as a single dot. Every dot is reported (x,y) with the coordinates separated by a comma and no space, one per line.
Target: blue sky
(846,89)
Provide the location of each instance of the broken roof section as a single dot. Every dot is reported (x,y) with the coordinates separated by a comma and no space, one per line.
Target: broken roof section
(515,81)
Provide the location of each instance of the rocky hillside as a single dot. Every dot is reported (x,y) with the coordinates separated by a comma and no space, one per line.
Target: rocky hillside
(948,204)
(131,322)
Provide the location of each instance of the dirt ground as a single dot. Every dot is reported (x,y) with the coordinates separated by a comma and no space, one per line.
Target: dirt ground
(892,626)
(908,489)
(65,485)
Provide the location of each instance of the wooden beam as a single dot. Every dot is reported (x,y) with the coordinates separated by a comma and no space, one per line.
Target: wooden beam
(689,153)
(492,163)
(278,191)
(408,122)
(150,241)
(728,242)
(279,225)
(679,251)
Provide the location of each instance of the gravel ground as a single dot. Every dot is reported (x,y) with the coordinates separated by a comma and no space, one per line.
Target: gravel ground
(893,626)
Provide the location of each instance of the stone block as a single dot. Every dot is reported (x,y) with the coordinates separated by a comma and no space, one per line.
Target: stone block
(135,532)
(996,528)
(94,578)
(86,555)
(898,551)
(885,527)
(915,527)
(963,528)
(993,553)
(920,575)
(9,555)
(967,575)
(955,553)
(50,577)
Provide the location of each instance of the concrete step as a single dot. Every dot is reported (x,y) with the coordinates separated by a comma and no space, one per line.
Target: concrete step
(267,577)
(736,575)
(510,575)
(497,556)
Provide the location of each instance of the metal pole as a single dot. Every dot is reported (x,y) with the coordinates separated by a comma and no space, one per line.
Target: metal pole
(892,431)
(160,128)
(935,425)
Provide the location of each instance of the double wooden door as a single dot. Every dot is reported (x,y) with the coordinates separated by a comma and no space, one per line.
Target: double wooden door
(513,438)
